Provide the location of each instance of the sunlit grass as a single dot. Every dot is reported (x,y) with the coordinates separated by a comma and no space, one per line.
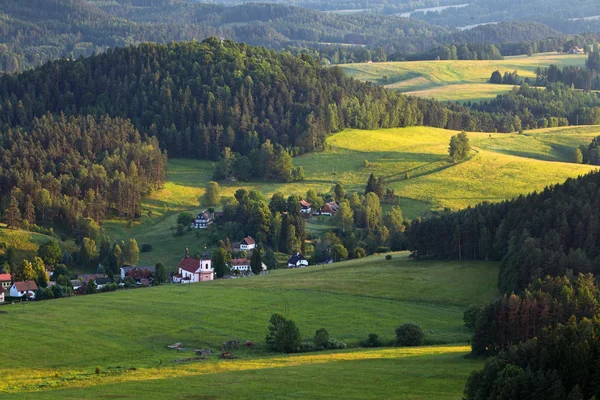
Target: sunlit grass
(455,80)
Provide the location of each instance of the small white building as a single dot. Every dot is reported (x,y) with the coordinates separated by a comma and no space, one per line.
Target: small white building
(305,207)
(192,270)
(297,261)
(24,289)
(240,264)
(247,244)
(202,221)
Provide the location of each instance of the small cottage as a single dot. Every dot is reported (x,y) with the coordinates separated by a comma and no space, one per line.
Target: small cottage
(202,221)
(5,281)
(247,244)
(305,207)
(297,261)
(240,264)
(329,209)
(24,290)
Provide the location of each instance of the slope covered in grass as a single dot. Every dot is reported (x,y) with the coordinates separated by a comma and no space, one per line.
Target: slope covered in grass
(456,80)
(427,373)
(351,299)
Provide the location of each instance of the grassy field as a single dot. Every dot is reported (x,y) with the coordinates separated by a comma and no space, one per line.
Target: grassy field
(432,373)
(502,166)
(57,344)
(455,80)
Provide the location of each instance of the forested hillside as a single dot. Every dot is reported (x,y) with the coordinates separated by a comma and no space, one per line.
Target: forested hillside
(35,31)
(59,170)
(200,98)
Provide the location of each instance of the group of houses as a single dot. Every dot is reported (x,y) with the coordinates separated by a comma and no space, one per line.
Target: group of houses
(327,209)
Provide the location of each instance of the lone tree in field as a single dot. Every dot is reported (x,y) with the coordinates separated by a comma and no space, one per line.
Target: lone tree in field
(459,147)
(213,194)
(284,335)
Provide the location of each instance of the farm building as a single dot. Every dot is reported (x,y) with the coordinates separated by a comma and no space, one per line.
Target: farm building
(329,209)
(247,244)
(24,289)
(191,270)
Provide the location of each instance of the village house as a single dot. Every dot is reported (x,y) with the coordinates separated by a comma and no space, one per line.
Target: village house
(305,207)
(5,281)
(329,209)
(137,273)
(576,50)
(247,244)
(297,261)
(2,290)
(239,264)
(101,282)
(24,289)
(191,270)
(76,284)
(202,221)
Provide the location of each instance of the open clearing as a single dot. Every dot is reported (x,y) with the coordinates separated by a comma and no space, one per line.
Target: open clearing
(131,328)
(455,80)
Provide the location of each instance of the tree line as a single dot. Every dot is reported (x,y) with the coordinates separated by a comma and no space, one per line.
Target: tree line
(540,234)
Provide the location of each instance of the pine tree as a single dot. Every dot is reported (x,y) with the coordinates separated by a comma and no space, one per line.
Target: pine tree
(29,214)
(256,262)
(371,184)
(12,215)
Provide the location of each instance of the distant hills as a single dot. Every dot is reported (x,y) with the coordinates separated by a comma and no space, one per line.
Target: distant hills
(39,30)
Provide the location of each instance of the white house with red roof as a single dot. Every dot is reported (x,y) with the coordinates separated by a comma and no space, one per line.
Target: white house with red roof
(25,289)
(192,270)
(247,244)
(5,281)
(305,207)
(239,264)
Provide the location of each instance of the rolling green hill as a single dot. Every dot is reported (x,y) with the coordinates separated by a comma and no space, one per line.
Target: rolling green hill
(132,329)
(454,80)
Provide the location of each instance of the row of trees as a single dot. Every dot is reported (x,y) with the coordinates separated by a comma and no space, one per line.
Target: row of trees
(577,77)
(269,162)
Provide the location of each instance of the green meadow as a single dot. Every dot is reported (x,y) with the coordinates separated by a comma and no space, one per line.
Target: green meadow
(456,80)
(125,333)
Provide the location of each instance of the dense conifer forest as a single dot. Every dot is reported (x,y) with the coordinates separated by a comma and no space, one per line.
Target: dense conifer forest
(60,170)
